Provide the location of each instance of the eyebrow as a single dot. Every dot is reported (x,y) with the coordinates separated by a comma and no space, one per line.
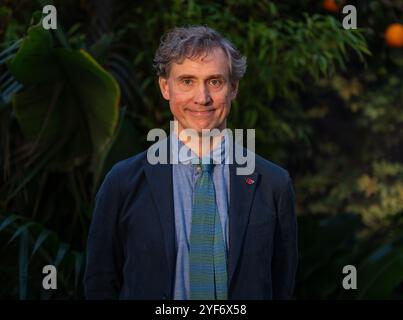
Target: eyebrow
(189,76)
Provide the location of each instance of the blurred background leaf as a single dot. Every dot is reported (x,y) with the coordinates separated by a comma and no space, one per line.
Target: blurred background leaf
(326,104)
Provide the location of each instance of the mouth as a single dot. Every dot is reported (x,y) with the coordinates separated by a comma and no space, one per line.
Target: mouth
(201,113)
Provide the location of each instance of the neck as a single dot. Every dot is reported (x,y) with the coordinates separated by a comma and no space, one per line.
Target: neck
(201,144)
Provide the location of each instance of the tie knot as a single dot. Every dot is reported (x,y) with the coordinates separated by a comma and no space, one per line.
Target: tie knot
(208,167)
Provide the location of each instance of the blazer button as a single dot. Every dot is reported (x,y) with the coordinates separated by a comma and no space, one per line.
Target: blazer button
(164,297)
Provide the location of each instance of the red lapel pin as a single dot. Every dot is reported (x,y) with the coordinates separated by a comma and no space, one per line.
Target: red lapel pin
(249,181)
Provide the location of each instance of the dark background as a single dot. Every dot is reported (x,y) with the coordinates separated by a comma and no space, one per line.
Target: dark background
(326,104)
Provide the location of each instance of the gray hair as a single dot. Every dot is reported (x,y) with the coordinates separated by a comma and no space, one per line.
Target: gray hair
(191,42)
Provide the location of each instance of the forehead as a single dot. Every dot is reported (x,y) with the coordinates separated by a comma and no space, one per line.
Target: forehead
(213,62)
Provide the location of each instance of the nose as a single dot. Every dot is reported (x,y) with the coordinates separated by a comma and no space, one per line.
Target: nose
(202,96)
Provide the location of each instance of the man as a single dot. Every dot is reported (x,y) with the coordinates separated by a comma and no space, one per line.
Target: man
(186,231)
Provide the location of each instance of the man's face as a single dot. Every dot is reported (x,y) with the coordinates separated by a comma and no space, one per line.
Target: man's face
(200,91)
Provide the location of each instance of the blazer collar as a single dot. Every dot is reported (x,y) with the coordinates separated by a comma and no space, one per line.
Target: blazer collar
(159,178)
(242,192)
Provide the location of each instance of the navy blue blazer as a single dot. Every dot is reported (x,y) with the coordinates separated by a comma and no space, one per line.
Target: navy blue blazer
(131,249)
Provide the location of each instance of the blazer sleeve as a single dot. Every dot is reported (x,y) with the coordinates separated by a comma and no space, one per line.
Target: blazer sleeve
(285,255)
(102,278)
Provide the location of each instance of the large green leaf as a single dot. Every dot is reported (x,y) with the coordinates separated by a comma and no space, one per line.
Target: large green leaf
(67,97)
(35,61)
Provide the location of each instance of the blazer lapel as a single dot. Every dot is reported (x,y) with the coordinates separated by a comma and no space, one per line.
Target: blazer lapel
(242,191)
(159,178)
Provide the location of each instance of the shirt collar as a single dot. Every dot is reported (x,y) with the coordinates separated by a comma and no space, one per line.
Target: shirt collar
(185,155)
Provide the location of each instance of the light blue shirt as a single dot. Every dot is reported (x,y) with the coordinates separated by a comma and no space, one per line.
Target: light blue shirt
(185,175)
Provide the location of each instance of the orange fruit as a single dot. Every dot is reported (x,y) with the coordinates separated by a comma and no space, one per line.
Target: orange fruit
(394,35)
(332,5)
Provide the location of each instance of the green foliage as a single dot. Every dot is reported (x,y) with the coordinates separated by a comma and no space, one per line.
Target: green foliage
(83,108)
(37,247)
(381,194)
(325,103)
(327,244)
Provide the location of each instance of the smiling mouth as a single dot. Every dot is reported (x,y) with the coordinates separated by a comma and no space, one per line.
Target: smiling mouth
(201,112)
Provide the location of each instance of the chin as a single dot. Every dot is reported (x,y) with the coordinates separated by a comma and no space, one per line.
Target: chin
(200,126)
(211,127)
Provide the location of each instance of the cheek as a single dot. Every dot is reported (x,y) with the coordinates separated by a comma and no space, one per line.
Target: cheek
(224,101)
(179,99)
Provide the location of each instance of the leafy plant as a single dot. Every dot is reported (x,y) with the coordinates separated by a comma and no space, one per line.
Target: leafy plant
(325,103)
(37,247)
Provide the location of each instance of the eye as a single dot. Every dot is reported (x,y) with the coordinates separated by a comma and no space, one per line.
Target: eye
(216,83)
(187,82)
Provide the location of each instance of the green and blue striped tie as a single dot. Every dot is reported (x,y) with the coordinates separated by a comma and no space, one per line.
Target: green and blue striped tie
(207,257)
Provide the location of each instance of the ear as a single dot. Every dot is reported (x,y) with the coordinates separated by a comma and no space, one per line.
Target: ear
(234,89)
(163,82)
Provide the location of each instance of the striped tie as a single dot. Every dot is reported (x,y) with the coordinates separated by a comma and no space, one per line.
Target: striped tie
(207,257)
